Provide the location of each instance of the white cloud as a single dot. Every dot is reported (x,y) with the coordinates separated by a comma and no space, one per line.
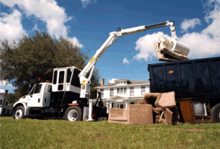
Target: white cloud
(75,41)
(214,16)
(47,11)
(125,61)
(112,80)
(86,2)
(191,23)
(2,91)
(203,44)
(145,46)
(11,27)
(4,83)
(207,42)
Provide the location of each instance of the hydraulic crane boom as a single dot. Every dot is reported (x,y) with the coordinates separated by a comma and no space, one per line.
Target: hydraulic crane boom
(113,36)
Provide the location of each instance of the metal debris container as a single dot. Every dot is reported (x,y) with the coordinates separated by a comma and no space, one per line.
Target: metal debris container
(197,79)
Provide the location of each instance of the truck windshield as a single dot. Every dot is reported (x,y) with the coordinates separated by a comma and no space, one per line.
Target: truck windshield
(32,90)
(37,89)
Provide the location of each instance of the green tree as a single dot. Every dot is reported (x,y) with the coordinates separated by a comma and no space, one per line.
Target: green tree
(12,98)
(23,62)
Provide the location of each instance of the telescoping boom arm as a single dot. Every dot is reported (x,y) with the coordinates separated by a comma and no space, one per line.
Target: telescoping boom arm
(113,36)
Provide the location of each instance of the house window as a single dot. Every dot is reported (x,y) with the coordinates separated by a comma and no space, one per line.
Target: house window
(125,90)
(121,90)
(121,106)
(111,92)
(132,91)
(102,92)
(142,90)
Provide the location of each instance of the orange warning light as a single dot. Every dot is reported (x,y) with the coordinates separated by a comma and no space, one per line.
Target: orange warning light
(171,71)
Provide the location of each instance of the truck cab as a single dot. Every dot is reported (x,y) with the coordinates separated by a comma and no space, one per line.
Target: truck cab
(38,97)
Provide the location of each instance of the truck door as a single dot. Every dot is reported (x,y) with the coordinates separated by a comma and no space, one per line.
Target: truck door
(47,96)
(34,97)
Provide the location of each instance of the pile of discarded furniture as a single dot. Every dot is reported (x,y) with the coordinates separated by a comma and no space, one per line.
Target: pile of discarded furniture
(162,107)
(154,108)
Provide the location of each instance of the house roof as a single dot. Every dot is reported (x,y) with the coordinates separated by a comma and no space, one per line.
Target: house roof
(129,83)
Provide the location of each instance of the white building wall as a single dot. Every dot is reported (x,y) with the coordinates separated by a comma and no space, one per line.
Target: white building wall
(115,91)
(128,91)
(137,92)
(147,89)
(119,101)
(106,93)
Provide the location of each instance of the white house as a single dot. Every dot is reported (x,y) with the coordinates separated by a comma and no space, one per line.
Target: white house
(5,107)
(122,92)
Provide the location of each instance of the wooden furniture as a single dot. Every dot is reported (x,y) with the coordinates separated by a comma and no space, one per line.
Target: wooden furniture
(190,113)
(134,114)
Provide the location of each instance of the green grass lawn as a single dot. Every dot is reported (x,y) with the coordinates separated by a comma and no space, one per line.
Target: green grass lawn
(33,133)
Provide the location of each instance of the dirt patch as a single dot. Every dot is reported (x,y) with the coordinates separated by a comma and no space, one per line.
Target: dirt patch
(193,129)
(177,129)
(190,129)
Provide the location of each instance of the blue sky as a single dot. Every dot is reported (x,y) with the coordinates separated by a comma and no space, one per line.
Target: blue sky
(87,23)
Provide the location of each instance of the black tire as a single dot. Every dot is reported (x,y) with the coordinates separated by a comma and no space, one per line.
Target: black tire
(73,113)
(18,113)
(216,113)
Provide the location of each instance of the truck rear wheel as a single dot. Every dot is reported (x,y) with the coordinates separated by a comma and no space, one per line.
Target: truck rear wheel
(216,113)
(18,112)
(73,113)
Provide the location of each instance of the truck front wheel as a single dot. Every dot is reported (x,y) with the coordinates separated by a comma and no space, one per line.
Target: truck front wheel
(18,112)
(73,113)
(216,113)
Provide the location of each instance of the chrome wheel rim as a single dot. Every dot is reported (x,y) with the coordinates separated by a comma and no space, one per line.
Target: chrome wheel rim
(18,114)
(72,115)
